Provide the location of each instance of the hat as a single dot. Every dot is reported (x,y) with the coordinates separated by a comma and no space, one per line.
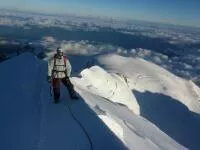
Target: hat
(59,50)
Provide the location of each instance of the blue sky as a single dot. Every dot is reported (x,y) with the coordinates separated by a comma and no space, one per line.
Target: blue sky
(184,12)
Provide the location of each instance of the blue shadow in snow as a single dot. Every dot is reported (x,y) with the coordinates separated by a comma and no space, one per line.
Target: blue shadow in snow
(100,135)
(172,117)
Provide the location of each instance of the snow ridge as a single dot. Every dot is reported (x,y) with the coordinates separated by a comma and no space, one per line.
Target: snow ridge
(112,87)
(146,76)
(104,93)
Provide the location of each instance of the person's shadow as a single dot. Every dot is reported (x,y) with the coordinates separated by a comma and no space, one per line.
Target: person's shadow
(172,117)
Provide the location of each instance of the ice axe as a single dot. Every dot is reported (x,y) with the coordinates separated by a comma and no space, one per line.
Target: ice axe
(50,88)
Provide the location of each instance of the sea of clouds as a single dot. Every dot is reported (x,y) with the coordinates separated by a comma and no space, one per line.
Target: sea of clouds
(174,34)
(185,63)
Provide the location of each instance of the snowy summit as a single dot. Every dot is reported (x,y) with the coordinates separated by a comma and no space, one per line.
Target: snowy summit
(128,103)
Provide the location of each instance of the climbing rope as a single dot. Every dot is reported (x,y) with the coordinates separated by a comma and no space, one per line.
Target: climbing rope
(81,126)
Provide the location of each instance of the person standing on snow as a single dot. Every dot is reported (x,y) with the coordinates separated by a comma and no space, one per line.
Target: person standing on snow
(59,70)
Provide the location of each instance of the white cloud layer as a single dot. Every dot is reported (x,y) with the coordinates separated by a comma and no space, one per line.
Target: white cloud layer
(176,35)
(186,65)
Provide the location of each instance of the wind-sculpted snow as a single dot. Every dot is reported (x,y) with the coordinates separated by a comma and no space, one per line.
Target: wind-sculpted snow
(135,131)
(111,87)
(30,121)
(170,102)
(145,76)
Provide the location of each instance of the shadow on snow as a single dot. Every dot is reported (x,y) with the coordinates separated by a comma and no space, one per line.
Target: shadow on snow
(172,117)
(101,136)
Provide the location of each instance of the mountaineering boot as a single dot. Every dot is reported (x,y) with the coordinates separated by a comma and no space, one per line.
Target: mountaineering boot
(56,101)
(73,95)
(56,98)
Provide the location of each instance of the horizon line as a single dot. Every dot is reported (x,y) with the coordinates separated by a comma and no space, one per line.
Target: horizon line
(63,14)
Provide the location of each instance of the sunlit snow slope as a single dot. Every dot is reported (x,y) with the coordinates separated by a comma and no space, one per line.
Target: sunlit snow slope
(145,76)
(170,102)
(117,108)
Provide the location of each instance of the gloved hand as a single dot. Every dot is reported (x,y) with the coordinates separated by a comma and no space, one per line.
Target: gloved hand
(49,79)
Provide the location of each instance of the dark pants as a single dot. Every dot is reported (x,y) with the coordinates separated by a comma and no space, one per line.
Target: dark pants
(56,87)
